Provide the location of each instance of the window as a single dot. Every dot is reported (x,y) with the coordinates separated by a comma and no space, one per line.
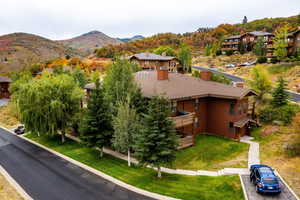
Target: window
(174,106)
(197,122)
(231,109)
(197,106)
(147,62)
(231,127)
(240,109)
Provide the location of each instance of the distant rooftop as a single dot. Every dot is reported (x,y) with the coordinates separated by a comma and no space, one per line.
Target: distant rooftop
(5,79)
(260,33)
(233,37)
(151,56)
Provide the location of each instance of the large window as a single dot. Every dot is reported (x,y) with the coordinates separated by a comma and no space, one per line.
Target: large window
(231,127)
(231,109)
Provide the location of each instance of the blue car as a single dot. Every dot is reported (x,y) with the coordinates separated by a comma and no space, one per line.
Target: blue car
(264,179)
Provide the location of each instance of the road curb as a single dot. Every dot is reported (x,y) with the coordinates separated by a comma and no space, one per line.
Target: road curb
(243,187)
(14,184)
(103,175)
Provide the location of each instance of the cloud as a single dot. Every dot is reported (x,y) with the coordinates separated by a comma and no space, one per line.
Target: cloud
(60,19)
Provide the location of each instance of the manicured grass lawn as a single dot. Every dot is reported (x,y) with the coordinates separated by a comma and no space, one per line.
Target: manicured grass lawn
(212,153)
(178,186)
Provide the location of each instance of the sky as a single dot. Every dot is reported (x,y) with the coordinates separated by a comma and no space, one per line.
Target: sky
(63,19)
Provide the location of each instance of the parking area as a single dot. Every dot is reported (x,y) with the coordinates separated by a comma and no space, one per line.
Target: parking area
(3,102)
(286,194)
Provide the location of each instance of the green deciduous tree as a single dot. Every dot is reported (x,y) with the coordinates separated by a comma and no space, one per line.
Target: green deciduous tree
(95,128)
(48,104)
(126,126)
(280,42)
(157,143)
(164,49)
(185,57)
(259,48)
(119,83)
(261,84)
(280,96)
(79,77)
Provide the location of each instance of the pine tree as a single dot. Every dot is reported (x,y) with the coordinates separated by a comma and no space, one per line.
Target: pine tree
(245,20)
(95,129)
(126,127)
(157,143)
(280,96)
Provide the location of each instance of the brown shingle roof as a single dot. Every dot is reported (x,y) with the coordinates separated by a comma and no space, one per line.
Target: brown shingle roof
(4,79)
(151,56)
(180,86)
(242,122)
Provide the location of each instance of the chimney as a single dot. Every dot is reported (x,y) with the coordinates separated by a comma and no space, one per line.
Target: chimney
(162,73)
(239,84)
(205,75)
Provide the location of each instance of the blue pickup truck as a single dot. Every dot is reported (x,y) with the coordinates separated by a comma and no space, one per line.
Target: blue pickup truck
(264,179)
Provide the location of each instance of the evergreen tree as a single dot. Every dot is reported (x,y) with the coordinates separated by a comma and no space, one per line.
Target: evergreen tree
(185,58)
(242,48)
(157,143)
(280,96)
(259,48)
(280,43)
(245,20)
(126,126)
(95,129)
(79,77)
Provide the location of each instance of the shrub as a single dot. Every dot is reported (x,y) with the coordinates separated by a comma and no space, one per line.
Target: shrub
(274,60)
(285,114)
(262,59)
(229,52)
(218,52)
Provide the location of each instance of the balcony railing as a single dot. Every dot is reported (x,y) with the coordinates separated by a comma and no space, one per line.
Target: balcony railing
(183,119)
(186,141)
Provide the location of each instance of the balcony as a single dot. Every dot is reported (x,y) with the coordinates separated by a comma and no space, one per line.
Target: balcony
(183,119)
(186,141)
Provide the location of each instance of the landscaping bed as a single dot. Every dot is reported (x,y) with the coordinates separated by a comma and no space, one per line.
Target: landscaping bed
(178,186)
(7,192)
(212,153)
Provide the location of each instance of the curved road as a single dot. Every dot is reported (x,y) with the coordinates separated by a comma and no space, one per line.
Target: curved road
(45,176)
(293,95)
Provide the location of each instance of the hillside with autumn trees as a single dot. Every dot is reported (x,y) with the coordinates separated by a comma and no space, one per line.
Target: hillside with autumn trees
(199,39)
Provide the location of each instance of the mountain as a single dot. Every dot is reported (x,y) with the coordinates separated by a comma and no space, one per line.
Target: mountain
(90,41)
(136,37)
(18,50)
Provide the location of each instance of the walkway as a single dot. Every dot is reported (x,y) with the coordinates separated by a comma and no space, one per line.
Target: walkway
(253,154)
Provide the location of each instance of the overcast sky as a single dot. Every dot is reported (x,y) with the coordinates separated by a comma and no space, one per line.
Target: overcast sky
(62,19)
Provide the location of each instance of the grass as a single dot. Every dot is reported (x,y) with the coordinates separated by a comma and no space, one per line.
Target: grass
(281,68)
(8,117)
(212,153)
(178,186)
(7,192)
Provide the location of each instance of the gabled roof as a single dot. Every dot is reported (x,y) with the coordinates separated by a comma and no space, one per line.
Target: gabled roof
(5,79)
(293,33)
(151,56)
(233,37)
(180,86)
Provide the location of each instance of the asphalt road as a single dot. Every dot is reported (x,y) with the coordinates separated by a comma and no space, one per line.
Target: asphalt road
(293,95)
(253,195)
(45,176)
(3,102)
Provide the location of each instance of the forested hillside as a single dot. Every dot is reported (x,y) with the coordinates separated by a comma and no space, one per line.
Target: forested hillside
(199,39)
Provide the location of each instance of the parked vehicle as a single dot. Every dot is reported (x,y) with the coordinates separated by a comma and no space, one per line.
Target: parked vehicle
(19,130)
(230,66)
(264,179)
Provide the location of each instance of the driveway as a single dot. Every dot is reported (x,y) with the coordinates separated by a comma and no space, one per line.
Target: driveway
(252,195)
(45,176)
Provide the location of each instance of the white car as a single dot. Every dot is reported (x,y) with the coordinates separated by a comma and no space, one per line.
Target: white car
(230,65)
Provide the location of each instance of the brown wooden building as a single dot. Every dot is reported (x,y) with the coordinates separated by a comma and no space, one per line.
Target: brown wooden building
(248,40)
(150,61)
(293,40)
(200,105)
(4,85)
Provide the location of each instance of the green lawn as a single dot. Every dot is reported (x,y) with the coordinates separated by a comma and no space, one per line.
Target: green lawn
(178,186)
(212,153)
